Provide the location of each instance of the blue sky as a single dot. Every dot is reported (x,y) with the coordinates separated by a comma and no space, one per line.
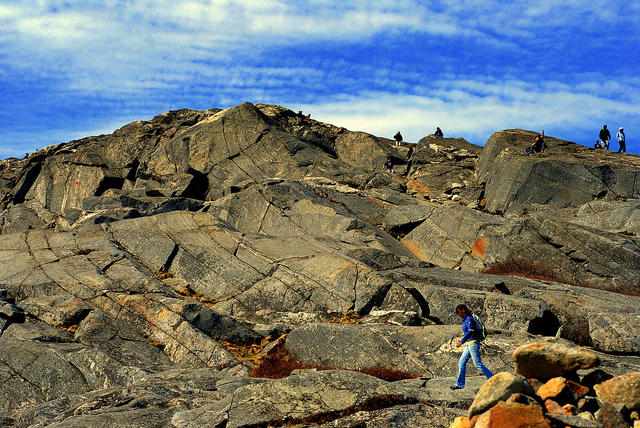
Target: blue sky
(71,69)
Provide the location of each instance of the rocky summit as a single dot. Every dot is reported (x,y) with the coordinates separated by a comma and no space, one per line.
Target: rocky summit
(252,267)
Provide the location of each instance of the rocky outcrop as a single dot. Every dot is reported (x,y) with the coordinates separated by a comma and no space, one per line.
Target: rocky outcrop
(252,266)
(58,178)
(565,175)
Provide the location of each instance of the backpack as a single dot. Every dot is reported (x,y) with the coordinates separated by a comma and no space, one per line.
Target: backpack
(480,329)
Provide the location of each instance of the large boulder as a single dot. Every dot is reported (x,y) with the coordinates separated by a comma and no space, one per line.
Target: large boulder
(500,387)
(623,389)
(552,358)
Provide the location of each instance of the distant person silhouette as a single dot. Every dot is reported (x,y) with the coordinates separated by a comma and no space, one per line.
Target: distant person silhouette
(622,141)
(538,145)
(398,138)
(438,132)
(605,136)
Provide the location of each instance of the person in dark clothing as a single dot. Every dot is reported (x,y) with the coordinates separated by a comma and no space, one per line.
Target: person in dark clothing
(471,347)
(538,145)
(605,136)
(438,132)
(388,165)
(398,138)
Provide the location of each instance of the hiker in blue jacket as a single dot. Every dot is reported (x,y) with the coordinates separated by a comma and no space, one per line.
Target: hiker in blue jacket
(471,347)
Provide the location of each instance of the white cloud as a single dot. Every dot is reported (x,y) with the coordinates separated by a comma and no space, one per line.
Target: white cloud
(95,35)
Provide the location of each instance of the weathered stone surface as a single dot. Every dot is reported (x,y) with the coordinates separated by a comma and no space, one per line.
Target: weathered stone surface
(310,393)
(287,208)
(366,151)
(368,346)
(19,218)
(406,217)
(610,331)
(444,166)
(155,400)
(619,216)
(142,205)
(454,236)
(59,177)
(551,358)
(36,366)
(449,235)
(587,317)
(574,421)
(610,417)
(418,415)
(238,144)
(428,351)
(623,389)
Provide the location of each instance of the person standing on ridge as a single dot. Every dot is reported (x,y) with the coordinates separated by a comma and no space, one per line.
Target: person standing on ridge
(471,347)
(605,136)
(622,141)
(438,132)
(398,138)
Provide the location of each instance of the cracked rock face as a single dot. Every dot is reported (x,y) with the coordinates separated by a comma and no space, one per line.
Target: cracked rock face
(565,175)
(146,273)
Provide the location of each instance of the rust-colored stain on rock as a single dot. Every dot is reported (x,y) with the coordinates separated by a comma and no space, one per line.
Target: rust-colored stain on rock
(479,248)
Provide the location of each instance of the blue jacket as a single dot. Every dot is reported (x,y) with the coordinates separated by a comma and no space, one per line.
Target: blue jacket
(469,329)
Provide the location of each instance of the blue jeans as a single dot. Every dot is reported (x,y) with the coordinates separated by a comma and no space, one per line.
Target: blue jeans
(470,352)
